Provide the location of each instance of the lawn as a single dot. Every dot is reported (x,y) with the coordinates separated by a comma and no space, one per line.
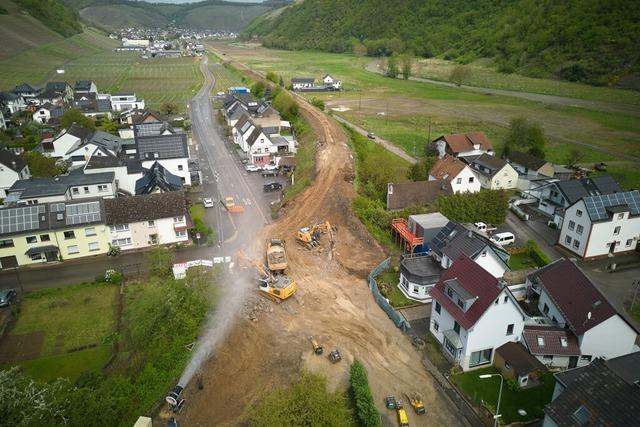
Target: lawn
(522,261)
(486,390)
(69,365)
(197,211)
(395,296)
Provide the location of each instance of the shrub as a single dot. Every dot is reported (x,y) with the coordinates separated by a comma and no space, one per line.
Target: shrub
(536,254)
(319,103)
(488,206)
(366,411)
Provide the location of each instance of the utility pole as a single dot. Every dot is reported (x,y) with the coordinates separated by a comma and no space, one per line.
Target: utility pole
(429,133)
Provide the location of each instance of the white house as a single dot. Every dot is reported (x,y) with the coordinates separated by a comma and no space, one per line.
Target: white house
(62,88)
(299,83)
(552,345)
(12,168)
(158,141)
(602,225)
(261,148)
(85,86)
(464,144)
(419,273)
(142,221)
(67,139)
(330,83)
(472,314)
(46,112)
(568,300)
(455,172)
(12,103)
(126,101)
(98,144)
(494,173)
(3,123)
(62,188)
(26,91)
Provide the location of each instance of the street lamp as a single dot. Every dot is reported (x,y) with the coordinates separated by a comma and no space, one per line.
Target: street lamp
(497,415)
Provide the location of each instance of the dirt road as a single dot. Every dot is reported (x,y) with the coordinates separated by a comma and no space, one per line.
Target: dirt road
(333,304)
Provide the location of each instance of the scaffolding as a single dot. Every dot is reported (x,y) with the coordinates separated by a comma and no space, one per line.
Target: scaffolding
(402,234)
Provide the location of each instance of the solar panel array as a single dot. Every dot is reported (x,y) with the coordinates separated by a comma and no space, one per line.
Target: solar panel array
(83,213)
(597,205)
(20,219)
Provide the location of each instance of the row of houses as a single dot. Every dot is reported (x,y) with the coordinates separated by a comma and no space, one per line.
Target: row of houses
(308,84)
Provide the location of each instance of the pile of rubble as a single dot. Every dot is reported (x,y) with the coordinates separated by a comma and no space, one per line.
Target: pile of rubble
(255,305)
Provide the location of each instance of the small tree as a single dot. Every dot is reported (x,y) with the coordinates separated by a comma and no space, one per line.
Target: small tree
(169,108)
(460,74)
(159,261)
(272,77)
(525,135)
(108,126)
(75,116)
(392,67)
(406,62)
(573,158)
(39,165)
(257,89)
(281,82)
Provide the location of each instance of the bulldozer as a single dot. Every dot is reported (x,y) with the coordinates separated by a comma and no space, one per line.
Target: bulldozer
(309,237)
(276,256)
(415,400)
(276,288)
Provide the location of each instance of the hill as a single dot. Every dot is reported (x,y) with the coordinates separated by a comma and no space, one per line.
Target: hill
(579,40)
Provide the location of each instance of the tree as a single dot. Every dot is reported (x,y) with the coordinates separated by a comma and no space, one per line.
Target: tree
(281,82)
(460,74)
(406,64)
(419,171)
(272,77)
(159,261)
(75,116)
(169,108)
(39,165)
(257,89)
(574,157)
(525,135)
(392,67)
(109,126)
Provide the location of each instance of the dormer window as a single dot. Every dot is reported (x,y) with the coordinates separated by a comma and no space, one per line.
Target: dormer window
(449,292)
(460,303)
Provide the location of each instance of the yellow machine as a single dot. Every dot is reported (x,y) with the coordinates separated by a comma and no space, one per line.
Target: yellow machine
(230,205)
(276,256)
(403,418)
(416,402)
(309,237)
(277,288)
(317,348)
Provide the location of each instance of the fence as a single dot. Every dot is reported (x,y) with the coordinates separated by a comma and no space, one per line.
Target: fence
(396,317)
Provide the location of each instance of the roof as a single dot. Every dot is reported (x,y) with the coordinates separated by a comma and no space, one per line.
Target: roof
(41,187)
(599,207)
(25,87)
(100,162)
(626,367)
(9,96)
(57,86)
(607,399)
(124,94)
(552,339)
(420,269)
(12,161)
(83,85)
(526,160)
(487,164)
(447,168)
(158,177)
(455,239)
(151,144)
(579,301)
(125,210)
(473,279)
(257,131)
(461,142)
(101,139)
(403,194)
(575,189)
(520,360)
(79,131)
(50,94)
(302,80)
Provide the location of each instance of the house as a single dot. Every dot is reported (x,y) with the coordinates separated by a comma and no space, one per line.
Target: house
(603,393)
(472,314)
(97,144)
(12,168)
(135,116)
(300,83)
(126,171)
(464,144)
(515,363)
(552,345)
(48,96)
(159,141)
(142,221)
(85,86)
(530,166)
(567,299)
(126,101)
(404,194)
(427,226)
(450,170)
(61,88)
(63,188)
(419,273)
(157,180)
(602,225)
(3,123)
(455,239)
(93,105)
(26,91)
(67,139)
(11,103)
(52,232)
(494,173)
(47,113)
(330,83)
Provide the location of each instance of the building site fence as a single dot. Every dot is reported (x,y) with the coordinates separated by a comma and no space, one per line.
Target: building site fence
(396,317)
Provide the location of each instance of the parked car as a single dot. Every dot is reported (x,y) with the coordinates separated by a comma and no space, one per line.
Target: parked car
(252,168)
(267,173)
(7,296)
(269,167)
(272,186)
(503,239)
(207,202)
(371,135)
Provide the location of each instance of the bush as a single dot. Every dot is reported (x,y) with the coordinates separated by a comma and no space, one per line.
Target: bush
(488,206)
(536,254)
(366,411)
(272,77)
(319,103)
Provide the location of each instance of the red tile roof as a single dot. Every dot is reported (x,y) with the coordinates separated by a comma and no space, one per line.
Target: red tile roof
(461,142)
(447,168)
(551,341)
(475,280)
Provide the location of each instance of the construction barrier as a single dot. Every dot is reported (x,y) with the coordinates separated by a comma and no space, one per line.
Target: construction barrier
(396,317)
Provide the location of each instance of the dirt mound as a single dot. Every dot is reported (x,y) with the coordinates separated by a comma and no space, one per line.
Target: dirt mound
(15,348)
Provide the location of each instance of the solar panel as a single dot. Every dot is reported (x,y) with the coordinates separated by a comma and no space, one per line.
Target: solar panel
(83,213)
(597,205)
(14,220)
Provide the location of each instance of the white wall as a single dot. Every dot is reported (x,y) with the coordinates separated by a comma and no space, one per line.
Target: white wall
(166,230)
(122,180)
(561,362)
(465,186)
(445,322)
(490,262)
(62,144)
(602,235)
(415,291)
(7,178)
(76,192)
(569,216)
(553,310)
(506,178)
(601,341)
(42,115)
(173,166)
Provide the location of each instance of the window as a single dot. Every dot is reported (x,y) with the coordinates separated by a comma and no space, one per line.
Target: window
(438,307)
(456,327)
(585,358)
(459,181)
(506,365)
(547,358)
(8,243)
(621,216)
(180,167)
(616,231)
(572,225)
(69,235)
(181,233)
(480,357)
(75,191)
(576,244)
(545,310)
(121,242)
(497,301)
(567,240)
(32,239)
(178,219)
(471,180)
(151,223)
(450,292)
(563,342)
(505,299)
(579,229)
(578,213)
(540,341)
(460,303)
(91,231)
(119,227)
(450,347)
(554,320)
(510,329)
(44,238)
(436,326)
(629,243)
(94,246)
(416,289)
(72,249)
(102,188)
(36,257)
(86,190)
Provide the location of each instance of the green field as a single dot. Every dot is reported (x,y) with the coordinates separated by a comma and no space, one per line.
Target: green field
(225,75)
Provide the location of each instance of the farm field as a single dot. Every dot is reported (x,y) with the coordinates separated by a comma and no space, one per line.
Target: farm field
(226,76)
(400,111)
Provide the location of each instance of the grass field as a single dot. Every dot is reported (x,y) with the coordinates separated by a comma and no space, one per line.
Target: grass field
(226,76)
(395,296)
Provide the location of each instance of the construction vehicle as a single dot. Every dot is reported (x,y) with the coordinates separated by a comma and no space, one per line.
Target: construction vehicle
(230,205)
(276,288)
(415,400)
(276,256)
(403,418)
(390,402)
(174,399)
(309,237)
(317,348)
(335,356)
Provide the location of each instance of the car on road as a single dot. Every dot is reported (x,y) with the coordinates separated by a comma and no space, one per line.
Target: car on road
(207,202)
(272,186)
(7,296)
(252,168)
(269,167)
(371,135)
(267,173)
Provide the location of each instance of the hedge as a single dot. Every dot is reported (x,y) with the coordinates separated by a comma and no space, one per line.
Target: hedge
(538,256)
(366,412)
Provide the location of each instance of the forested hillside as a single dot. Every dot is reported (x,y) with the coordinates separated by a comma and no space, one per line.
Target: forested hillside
(591,41)
(54,15)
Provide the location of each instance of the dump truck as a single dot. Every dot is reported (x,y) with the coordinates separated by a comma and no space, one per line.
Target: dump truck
(276,256)
(415,400)
(309,237)
(317,348)
(403,418)
(276,288)
(230,205)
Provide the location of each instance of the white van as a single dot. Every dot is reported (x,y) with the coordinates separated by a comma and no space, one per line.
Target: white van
(503,239)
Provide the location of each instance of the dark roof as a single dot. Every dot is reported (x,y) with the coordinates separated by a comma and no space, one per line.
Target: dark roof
(519,359)
(607,398)
(575,189)
(9,96)
(527,160)
(404,194)
(626,367)
(99,162)
(24,87)
(83,85)
(578,299)
(600,207)
(50,94)
(302,80)
(125,210)
(488,165)
(79,131)
(152,144)
(57,86)
(420,269)
(40,187)
(552,339)
(12,161)
(124,94)
(473,279)
(455,239)
(461,142)
(158,177)
(254,136)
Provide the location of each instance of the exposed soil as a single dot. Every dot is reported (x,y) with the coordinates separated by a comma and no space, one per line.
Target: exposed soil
(15,348)
(333,304)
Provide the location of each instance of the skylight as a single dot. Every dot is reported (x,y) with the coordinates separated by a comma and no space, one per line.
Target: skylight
(563,342)
(582,415)
(540,341)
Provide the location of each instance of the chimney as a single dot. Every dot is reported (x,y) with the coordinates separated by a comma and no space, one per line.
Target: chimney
(14,164)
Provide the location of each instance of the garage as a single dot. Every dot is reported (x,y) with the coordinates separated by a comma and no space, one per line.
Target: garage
(8,262)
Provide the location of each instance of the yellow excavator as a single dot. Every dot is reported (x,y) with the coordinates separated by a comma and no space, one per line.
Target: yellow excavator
(309,237)
(416,403)
(276,256)
(277,288)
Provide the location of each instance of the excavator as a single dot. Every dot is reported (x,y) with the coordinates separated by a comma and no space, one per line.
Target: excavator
(276,256)
(276,288)
(309,237)
(416,402)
